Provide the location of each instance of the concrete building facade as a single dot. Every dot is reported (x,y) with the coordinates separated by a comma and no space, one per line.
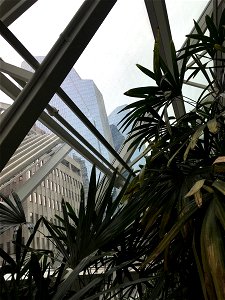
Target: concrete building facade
(63,182)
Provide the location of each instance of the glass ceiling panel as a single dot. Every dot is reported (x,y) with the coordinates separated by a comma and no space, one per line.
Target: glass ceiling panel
(181,14)
(124,39)
(39,27)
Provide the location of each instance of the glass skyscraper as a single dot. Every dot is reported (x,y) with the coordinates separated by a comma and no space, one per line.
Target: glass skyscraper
(119,134)
(90,101)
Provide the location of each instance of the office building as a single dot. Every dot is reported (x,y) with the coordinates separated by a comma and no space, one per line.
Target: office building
(120,134)
(45,199)
(116,116)
(89,99)
(117,136)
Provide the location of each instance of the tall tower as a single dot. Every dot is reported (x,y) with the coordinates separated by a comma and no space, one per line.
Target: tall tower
(89,99)
(119,135)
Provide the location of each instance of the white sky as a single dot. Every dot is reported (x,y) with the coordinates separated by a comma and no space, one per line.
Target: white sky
(123,40)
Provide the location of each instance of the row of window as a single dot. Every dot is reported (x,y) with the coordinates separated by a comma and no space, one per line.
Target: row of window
(8,246)
(56,187)
(41,199)
(34,217)
(41,243)
(64,176)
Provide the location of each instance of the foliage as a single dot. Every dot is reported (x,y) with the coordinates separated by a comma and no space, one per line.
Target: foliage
(97,252)
(11,213)
(186,168)
(163,237)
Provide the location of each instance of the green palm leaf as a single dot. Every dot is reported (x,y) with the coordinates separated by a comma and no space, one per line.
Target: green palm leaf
(11,211)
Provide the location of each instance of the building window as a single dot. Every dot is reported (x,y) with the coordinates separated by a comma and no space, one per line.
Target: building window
(47,183)
(57,172)
(60,206)
(48,244)
(28,174)
(51,185)
(35,197)
(38,242)
(30,198)
(31,217)
(58,188)
(53,172)
(44,200)
(8,247)
(53,204)
(56,205)
(49,202)
(62,190)
(54,187)
(39,199)
(43,183)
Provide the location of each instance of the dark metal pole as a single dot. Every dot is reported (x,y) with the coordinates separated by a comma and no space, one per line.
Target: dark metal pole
(33,99)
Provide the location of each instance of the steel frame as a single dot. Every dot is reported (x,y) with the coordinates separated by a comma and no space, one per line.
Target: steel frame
(64,53)
(49,76)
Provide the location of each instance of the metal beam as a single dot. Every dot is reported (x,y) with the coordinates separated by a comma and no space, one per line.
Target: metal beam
(159,22)
(10,10)
(17,73)
(45,157)
(24,160)
(53,112)
(202,24)
(126,153)
(17,45)
(14,71)
(36,179)
(35,96)
(195,84)
(3,107)
(37,144)
(201,21)
(8,88)
(220,56)
(64,135)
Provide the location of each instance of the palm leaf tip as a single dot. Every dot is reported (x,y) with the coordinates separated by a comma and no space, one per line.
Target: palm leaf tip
(11,210)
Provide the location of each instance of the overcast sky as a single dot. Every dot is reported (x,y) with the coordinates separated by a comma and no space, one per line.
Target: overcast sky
(123,40)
